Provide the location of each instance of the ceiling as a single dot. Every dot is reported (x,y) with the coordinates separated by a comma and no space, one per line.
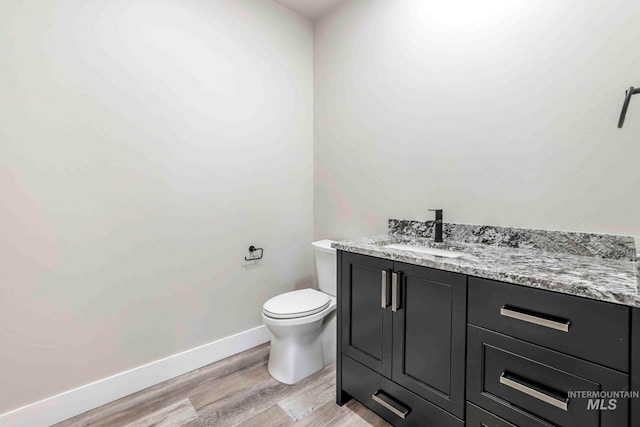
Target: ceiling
(311,9)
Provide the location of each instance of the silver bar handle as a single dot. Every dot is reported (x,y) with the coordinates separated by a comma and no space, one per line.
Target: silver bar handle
(402,413)
(537,320)
(562,404)
(395,303)
(383,292)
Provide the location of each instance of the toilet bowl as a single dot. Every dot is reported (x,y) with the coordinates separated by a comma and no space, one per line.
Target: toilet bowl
(303,323)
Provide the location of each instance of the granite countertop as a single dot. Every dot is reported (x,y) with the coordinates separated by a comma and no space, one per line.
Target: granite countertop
(611,280)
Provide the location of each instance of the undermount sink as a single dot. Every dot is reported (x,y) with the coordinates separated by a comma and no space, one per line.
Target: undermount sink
(425,250)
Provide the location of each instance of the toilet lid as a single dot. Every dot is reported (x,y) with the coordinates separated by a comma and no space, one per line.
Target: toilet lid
(304,302)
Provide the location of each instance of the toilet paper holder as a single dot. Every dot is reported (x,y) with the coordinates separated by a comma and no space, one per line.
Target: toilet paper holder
(253,249)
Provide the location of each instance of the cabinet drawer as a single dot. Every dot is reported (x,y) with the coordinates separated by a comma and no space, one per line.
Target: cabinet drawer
(592,330)
(529,385)
(478,417)
(391,401)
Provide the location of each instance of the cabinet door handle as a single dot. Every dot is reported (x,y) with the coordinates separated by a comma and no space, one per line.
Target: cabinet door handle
(391,404)
(559,325)
(383,292)
(395,293)
(530,391)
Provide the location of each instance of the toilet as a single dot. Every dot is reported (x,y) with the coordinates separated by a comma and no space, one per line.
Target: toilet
(303,323)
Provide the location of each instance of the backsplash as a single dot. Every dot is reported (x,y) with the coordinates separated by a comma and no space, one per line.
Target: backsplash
(585,244)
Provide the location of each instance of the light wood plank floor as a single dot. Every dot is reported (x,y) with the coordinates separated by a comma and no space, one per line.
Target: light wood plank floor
(234,391)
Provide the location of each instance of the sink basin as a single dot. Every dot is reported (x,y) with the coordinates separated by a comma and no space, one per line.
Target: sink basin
(425,250)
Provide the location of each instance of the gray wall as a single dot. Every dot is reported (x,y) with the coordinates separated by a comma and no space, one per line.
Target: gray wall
(500,112)
(143,147)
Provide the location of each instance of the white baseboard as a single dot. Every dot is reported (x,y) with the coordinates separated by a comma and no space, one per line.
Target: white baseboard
(74,402)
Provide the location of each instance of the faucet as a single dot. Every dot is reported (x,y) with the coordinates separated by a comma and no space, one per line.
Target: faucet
(438,225)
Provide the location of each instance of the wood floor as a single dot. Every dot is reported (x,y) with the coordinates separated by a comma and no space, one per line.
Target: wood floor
(235,391)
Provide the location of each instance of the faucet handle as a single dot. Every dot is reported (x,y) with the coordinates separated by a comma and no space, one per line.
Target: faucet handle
(438,225)
(438,213)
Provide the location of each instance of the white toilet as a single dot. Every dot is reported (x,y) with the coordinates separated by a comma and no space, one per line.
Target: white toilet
(303,323)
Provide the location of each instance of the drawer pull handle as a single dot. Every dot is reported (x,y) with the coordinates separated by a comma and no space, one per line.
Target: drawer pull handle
(384,303)
(395,298)
(562,404)
(537,320)
(390,404)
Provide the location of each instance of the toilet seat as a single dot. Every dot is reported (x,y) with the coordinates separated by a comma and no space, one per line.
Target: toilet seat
(296,304)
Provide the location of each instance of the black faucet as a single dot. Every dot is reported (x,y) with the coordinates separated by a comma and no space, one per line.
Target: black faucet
(437,234)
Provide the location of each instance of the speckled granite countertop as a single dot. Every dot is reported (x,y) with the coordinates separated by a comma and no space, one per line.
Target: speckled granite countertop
(611,280)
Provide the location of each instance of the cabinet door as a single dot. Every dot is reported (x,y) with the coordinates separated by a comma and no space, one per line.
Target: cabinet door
(365,325)
(429,330)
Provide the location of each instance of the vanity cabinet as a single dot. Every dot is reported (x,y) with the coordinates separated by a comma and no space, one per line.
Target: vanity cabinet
(403,327)
(426,347)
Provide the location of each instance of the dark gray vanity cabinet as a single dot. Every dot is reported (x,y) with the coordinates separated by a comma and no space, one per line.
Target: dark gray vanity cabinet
(402,329)
(426,347)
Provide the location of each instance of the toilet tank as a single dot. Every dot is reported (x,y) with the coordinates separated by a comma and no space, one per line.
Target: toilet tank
(326,266)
